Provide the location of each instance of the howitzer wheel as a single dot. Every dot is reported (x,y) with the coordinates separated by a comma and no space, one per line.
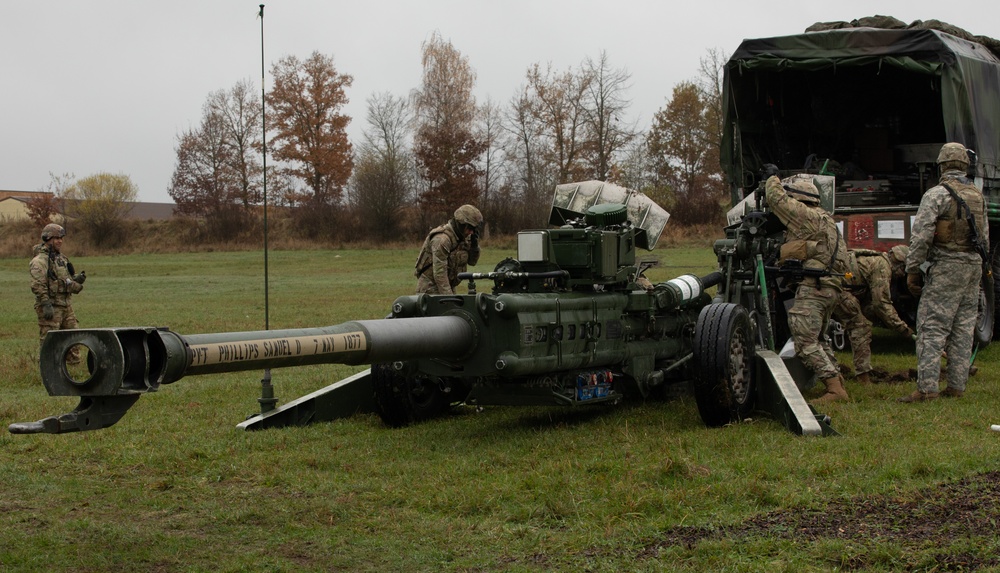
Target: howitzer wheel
(724,354)
(402,400)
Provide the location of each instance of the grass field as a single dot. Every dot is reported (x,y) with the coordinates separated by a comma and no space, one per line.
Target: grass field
(175,486)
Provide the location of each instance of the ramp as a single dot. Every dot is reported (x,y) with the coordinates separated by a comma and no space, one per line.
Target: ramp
(780,397)
(352,395)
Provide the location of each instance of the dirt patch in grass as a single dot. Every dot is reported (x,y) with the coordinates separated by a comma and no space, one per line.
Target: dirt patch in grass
(926,520)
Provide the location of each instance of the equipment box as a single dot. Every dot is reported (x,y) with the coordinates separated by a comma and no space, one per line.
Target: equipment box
(865,194)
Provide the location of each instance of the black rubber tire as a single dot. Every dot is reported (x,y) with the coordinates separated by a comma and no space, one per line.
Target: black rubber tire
(724,388)
(401,401)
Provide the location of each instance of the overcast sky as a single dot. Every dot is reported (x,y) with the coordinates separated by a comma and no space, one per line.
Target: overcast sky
(93,86)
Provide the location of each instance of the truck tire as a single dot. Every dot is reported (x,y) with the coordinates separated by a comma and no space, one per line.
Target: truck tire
(724,387)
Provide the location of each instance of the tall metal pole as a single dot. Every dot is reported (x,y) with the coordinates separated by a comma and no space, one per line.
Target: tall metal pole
(263,125)
(267,400)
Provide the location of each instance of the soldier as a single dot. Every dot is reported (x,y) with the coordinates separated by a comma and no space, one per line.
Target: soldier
(944,268)
(447,251)
(54,283)
(812,237)
(867,299)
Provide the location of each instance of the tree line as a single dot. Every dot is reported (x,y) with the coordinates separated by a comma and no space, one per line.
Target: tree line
(423,154)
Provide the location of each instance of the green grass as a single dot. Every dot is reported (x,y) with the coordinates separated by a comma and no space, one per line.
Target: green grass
(175,486)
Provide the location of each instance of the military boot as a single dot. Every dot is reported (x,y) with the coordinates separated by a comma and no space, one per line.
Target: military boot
(950,392)
(918,396)
(835,391)
(864,378)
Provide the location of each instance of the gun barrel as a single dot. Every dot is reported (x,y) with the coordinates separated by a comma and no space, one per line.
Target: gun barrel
(136,360)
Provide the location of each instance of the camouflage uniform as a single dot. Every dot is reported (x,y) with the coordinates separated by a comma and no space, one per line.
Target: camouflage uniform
(952,270)
(848,311)
(448,250)
(866,300)
(52,282)
(874,271)
(815,297)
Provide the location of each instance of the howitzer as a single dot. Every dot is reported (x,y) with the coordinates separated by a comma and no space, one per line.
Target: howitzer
(569,322)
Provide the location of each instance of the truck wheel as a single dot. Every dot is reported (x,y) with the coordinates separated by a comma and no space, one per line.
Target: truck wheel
(724,387)
(401,401)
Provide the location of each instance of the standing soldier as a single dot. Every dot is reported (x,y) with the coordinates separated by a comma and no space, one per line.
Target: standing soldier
(812,237)
(54,283)
(447,251)
(944,268)
(867,298)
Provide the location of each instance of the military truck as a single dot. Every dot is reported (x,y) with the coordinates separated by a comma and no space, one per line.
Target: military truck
(868,103)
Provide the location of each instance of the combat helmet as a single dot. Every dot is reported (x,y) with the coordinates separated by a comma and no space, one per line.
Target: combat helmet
(899,252)
(804,191)
(953,152)
(52,230)
(468,215)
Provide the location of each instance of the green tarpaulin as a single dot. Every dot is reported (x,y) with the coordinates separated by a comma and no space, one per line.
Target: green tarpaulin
(968,74)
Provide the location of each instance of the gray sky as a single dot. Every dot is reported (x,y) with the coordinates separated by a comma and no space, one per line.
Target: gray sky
(95,86)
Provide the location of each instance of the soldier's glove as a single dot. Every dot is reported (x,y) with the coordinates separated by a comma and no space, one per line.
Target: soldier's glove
(47,311)
(915,283)
(909,333)
(769,170)
(80,277)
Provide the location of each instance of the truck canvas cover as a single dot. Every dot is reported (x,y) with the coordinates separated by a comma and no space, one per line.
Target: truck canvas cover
(859,95)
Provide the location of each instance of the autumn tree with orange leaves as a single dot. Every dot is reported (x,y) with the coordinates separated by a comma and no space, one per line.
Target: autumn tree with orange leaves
(310,136)
(447,148)
(685,156)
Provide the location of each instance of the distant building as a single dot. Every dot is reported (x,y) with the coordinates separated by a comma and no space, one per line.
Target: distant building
(14,207)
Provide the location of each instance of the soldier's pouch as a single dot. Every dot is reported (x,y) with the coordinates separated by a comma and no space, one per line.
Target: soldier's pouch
(944,230)
(800,250)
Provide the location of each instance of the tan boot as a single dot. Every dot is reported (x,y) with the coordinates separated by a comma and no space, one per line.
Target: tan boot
(918,396)
(950,392)
(864,379)
(835,391)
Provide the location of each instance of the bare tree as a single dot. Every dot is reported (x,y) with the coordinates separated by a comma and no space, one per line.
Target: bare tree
(494,160)
(240,114)
(636,170)
(556,101)
(219,169)
(532,174)
(446,148)
(605,104)
(383,176)
(709,82)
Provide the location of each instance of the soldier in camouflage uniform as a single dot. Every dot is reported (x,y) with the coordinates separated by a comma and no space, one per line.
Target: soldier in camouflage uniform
(54,283)
(866,299)
(447,251)
(811,236)
(944,269)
